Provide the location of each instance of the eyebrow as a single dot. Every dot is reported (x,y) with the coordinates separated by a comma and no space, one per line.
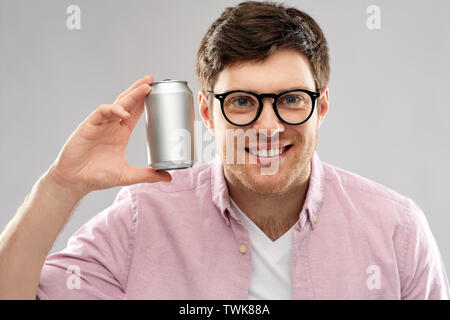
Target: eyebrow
(285,89)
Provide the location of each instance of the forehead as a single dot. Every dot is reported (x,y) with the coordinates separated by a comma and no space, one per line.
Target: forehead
(283,70)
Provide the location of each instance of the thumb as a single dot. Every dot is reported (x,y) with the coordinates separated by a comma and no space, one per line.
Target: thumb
(145,175)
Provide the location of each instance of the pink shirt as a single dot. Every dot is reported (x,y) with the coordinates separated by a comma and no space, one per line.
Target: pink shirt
(355,239)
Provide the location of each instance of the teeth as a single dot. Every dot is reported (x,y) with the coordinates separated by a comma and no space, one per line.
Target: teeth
(267,153)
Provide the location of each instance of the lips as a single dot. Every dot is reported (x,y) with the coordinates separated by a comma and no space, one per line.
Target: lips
(267,147)
(266,158)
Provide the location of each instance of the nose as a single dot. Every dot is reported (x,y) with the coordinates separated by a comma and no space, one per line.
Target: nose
(268,119)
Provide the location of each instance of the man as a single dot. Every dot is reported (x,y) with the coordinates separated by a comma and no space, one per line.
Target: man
(225,230)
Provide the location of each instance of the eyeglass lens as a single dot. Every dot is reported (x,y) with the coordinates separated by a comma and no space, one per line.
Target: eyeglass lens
(293,107)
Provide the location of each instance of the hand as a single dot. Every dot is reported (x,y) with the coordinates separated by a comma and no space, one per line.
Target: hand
(93,158)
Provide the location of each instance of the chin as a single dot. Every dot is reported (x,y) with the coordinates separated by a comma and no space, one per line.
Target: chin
(252,179)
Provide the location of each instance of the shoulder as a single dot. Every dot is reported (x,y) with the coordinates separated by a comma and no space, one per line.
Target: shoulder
(369,198)
(184,182)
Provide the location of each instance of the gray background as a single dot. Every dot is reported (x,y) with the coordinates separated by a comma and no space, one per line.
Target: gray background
(389,109)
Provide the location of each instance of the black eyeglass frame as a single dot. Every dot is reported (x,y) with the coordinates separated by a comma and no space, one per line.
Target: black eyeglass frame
(221,97)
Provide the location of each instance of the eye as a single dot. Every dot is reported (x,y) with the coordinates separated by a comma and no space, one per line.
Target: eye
(241,101)
(292,99)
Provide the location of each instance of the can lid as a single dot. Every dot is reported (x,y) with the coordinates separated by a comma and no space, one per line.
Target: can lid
(168,81)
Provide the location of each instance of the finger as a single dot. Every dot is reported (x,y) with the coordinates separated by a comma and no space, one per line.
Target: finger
(146,80)
(108,112)
(134,97)
(145,175)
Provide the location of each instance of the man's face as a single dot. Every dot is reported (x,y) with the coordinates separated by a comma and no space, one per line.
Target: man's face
(285,69)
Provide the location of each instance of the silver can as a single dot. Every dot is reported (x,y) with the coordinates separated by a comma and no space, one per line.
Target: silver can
(169,121)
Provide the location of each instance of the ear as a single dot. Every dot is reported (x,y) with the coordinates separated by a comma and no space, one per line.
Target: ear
(324,104)
(204,110)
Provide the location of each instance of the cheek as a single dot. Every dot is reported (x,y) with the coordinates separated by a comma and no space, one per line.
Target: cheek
(220,134)
(309,129)
(305,137)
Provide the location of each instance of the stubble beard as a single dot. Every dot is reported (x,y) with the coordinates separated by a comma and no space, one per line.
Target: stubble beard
(283,182)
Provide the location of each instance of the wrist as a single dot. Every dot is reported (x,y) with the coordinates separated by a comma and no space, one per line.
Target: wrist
(57,187)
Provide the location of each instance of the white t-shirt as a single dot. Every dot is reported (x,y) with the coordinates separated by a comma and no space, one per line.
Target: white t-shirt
(271,277)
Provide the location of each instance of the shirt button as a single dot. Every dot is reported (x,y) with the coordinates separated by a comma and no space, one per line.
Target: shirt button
(314,218)
(243,248)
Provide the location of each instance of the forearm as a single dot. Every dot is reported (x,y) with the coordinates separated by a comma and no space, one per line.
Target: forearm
(30,235)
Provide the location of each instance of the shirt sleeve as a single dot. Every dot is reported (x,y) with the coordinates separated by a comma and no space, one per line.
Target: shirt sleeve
(423,275)
(95,262)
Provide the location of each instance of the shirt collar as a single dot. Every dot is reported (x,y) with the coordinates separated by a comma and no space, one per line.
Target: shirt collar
(313,200)
(220,195)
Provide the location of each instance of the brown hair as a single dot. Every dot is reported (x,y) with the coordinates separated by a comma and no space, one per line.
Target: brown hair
(252,31)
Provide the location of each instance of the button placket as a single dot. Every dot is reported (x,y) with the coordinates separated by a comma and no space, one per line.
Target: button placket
(242,243)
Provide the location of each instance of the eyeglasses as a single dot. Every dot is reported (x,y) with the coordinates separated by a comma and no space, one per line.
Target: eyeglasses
(241,108)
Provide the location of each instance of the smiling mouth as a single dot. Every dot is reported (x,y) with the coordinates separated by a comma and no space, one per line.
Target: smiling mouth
(263,153)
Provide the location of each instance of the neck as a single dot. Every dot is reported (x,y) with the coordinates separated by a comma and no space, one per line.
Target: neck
(273,214)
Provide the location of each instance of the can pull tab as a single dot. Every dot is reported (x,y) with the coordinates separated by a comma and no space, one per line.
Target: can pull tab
(167,80)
